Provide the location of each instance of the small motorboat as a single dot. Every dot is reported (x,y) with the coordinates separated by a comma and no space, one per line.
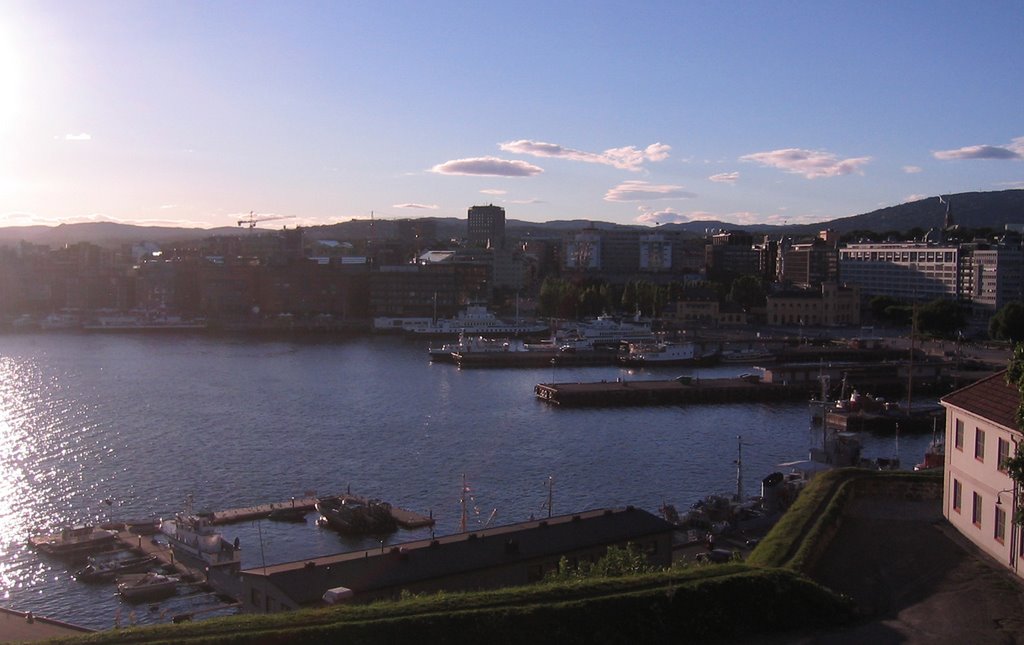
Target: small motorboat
(146,587)
(102,569)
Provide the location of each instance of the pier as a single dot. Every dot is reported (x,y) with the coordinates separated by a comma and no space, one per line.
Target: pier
(405,518)
(679,391)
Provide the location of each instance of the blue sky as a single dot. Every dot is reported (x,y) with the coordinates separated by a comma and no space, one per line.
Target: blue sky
(196,113)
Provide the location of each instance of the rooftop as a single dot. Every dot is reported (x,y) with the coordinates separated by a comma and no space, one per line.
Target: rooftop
(991,398)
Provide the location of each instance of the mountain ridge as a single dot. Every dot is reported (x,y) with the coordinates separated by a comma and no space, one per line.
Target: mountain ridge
(991,209)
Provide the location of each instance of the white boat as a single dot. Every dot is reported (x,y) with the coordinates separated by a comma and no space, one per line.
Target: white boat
(146,587)
(746,356)
(477,320)
(142,322)
(645,354)
(195,541)
(449,352)
(604,331)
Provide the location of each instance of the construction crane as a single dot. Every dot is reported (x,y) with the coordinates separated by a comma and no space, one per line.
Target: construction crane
(251,219)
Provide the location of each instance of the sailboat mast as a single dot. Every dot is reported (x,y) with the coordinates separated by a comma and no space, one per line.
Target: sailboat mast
(739,468)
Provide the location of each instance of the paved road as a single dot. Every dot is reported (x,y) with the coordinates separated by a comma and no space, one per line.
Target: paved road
(915,581)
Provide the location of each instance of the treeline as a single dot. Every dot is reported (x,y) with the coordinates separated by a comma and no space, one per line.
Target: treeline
(586,298)
(947,318)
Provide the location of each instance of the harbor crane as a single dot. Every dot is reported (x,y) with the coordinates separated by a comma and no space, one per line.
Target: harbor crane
(251,219)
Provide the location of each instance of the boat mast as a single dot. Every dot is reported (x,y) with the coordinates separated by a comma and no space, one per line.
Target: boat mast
(462,503)
(551,489)
(739,468)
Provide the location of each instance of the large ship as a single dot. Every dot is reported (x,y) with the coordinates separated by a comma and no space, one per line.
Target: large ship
(602,333)
(195,542)
(478,320)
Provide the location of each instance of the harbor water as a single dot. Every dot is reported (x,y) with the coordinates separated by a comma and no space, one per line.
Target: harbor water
(97,427)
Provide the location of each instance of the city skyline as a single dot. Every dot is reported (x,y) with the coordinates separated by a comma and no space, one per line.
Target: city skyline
(194,114)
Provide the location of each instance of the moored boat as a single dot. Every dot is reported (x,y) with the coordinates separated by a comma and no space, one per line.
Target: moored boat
(145,587)
(356,517)
(194,540)
(101,568)
(644,354)
(74,542)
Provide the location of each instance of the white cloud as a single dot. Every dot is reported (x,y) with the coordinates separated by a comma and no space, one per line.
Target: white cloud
(525,201)
(635,191)
(911,170)
(914,198)
(665,216)
(1014,150)
(428,207)
(812,164)
(627,158)
(725,177)
(166,206)
(82,136)
(487,167)
(493,191)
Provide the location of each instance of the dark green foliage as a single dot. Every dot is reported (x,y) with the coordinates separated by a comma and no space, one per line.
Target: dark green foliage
(716,603)
(747,291)
(1008,323)
(941,319)
(879,305)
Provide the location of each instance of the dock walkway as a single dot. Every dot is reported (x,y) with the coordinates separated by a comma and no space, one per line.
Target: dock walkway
(671,392)
(405,518)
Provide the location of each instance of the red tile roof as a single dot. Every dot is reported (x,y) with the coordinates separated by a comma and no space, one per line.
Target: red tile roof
(991,398)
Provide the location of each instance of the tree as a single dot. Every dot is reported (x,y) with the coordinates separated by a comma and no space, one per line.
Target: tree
(940,318)
(616,562)
(1015,464)
(1008,323)
(879,305)
(747,292)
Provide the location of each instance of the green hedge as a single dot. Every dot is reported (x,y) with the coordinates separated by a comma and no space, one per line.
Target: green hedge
(699,604)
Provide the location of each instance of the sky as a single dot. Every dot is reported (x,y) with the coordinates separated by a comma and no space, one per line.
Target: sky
(196,114)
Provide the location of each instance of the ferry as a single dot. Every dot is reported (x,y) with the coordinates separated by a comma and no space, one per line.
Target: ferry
(604,332)
(644,354)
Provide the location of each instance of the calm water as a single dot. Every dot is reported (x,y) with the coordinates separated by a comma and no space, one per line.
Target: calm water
(143,421)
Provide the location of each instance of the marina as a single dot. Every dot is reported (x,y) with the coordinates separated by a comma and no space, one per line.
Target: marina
(267,417)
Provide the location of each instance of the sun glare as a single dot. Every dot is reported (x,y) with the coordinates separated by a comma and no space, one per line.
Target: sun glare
(10,81)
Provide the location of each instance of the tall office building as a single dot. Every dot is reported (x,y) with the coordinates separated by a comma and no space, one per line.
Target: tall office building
(486,225)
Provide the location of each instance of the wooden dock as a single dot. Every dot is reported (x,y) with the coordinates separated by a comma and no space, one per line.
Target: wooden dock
(405,518)
(681,391)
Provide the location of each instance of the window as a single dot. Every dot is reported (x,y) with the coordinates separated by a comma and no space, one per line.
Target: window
(1004,454)
(979,444)
(958,438)
(976,510)
(958,491)
(1000,530)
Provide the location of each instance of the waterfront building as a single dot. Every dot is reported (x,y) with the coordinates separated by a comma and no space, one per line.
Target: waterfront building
(516,554)
(991,277)
(436,289)
(907,271)
(807,264)
(622,255)
(732,254)
(831,305)
(979,496)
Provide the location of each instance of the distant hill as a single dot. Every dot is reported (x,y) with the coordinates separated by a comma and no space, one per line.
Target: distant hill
(970,210)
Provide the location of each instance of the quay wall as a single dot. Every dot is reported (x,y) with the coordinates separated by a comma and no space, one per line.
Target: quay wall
(673,392)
